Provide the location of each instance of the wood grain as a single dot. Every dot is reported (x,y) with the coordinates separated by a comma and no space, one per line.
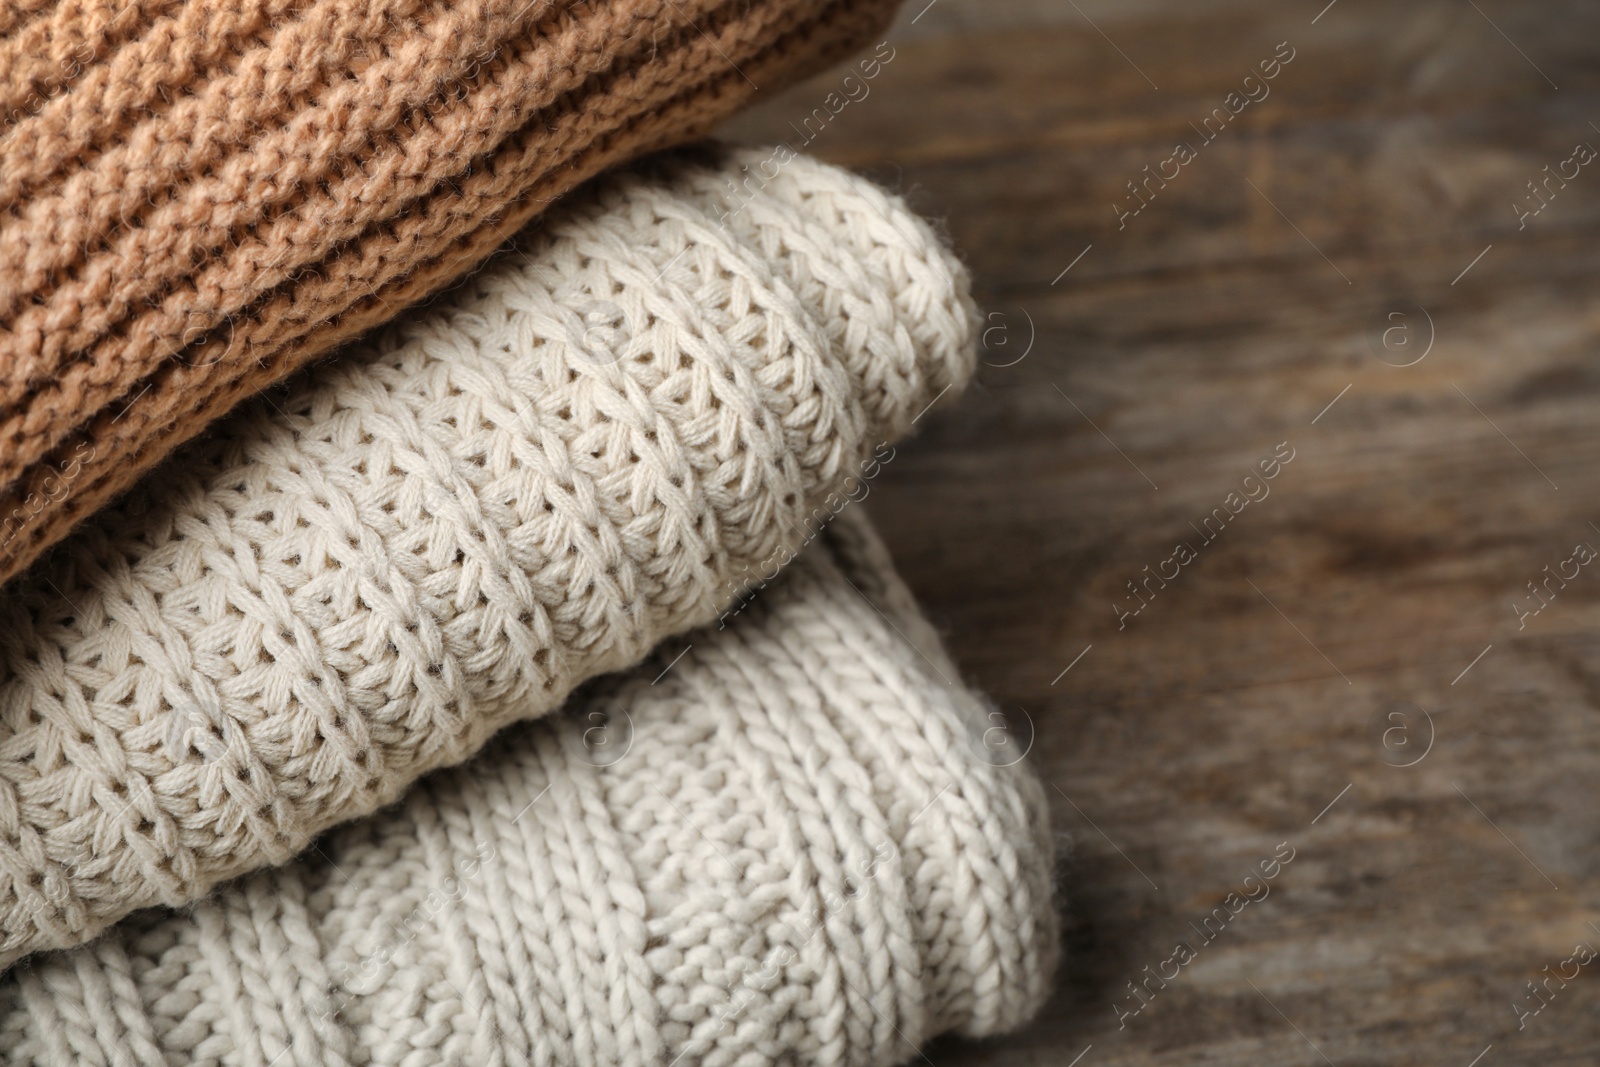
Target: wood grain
(1180,350)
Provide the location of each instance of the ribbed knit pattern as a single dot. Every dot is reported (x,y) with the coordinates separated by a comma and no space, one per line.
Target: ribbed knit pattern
(358,582)
(199,196)
(789,849)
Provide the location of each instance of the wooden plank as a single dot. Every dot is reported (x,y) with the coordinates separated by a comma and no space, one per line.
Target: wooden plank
(1375,580)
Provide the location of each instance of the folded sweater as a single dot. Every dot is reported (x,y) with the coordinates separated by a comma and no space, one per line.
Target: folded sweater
(586,448)
(790,845)
(199,196)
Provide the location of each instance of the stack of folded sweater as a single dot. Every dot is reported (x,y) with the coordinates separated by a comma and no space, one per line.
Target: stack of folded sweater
(780,838)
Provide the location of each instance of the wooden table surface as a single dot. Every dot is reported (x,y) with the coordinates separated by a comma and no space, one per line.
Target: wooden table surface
(1351,664)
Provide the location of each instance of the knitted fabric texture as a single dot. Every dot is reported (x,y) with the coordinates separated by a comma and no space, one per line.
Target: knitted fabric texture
(199,196)
(794,847)
(357,583)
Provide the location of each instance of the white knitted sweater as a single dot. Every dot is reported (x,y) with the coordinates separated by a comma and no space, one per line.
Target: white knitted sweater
(534,480)
(794,847)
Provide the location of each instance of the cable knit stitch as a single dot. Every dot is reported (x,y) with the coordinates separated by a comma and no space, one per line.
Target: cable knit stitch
(199,196)
(360,582)
(791,848)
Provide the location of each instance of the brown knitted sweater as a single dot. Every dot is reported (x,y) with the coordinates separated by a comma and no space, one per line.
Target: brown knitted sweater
(199,196)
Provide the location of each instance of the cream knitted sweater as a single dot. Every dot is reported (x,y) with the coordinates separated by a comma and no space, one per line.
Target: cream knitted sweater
(793,846)
(535,480)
